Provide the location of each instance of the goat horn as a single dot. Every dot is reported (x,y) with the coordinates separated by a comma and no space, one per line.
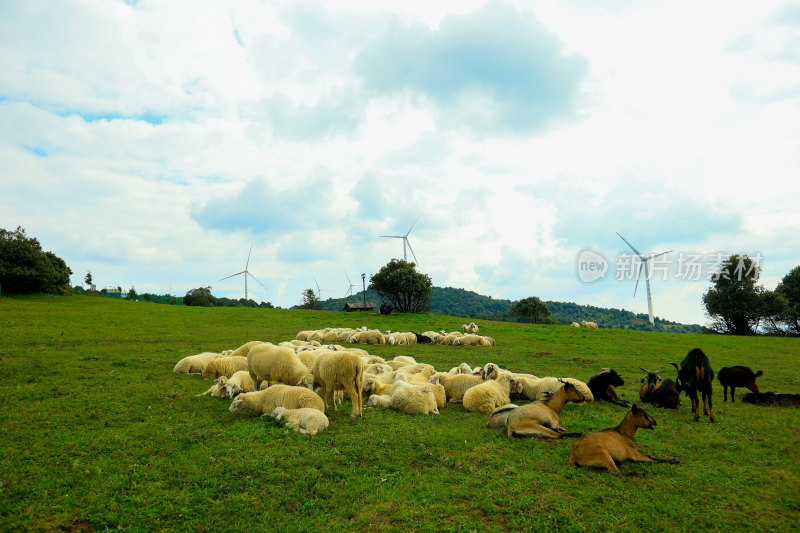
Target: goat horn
(640,368)
(606,369)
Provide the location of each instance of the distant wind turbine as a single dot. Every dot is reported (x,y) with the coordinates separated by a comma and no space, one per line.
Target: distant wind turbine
(405,241)
(246,273)
(643,267)
(318,289)
(350,287)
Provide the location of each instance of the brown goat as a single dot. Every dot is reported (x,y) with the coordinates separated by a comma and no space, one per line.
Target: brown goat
(536,419)
(660,392)
(609,447)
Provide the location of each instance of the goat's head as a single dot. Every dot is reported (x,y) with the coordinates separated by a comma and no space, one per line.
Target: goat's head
(641,419)
(571,393)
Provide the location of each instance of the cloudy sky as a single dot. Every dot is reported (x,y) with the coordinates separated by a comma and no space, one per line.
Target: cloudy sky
(154,142)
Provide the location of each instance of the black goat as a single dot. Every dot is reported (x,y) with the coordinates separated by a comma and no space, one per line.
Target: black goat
(602,386)
(695,374)
(772,398)
(737,376)
(386,309)
(422,339)
(660,392)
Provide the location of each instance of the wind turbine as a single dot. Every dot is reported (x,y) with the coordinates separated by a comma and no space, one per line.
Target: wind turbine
(405,241)
(246,273)
(318,289)
(350,288)
(643,266)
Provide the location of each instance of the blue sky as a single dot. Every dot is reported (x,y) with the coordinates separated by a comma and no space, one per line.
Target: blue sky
(153,143)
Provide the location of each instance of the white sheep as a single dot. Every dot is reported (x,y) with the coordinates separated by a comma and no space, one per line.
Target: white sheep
(268,362)
(216,390)
(455,385)
(373,386)
(238,383)
(380,401)
(535,388)
(372,336)
(412,399)
(575,325)
(470,340)
(194,364)
(463,368)
(304,420)
(340,371)
(590,325)
(242,350)
(487,396)
(224,366)
(265,401)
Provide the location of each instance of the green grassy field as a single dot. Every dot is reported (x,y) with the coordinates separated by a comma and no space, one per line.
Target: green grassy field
(98,433)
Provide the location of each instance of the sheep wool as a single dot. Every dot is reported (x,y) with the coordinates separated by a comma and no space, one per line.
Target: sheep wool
(340,371)
(268,362)
(224,366)
(265,401)
(194,364)
(413,399)
(304,420)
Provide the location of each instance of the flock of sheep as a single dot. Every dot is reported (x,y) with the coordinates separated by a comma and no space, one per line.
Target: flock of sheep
(297,380)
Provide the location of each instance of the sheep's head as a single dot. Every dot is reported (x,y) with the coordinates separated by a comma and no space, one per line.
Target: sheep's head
(221,380)
(307,382)
(236,404)
(490,371)
(278,412)
(232,390)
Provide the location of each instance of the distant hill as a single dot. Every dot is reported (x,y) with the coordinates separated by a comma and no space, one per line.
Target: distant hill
(469,304)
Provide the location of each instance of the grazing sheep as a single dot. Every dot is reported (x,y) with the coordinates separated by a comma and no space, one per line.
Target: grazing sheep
(737,376)
(238,383)
(340,371)
(217,390)
(194,364)
(455,385)
(380,401)
(265,401)
(590,325)
(609,447)
(412,399)
(243,350)
(304,420)
(539,418)
(489,395)
(224,366)
(268,362)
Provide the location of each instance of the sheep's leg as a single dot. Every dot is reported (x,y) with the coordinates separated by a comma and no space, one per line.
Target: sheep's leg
(733,392)
(355,398)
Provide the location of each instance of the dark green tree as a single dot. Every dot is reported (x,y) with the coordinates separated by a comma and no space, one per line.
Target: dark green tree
(399,283)
(789,289)
(200,297)
(735,304)
(132,294)
(88,279)
(26,268)
(532,310)
(310,300)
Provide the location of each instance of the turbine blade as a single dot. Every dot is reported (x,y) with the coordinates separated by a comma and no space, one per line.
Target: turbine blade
(629,244)
(393,236)
(638,277)
(252,276)
(662,253)
(412,252)
(412,225)
(248,258)
(226,277)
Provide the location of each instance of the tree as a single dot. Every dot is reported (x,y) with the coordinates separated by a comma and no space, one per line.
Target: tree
(532,310)
(26,268)
(200,297)
(88,279)
(132,294)
(401,285)
(789,289)
(310,300)
(735,304)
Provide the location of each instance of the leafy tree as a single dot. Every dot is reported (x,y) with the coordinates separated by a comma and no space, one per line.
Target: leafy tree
(399,283)
(310,300)
(532,309)
(789,289)
(26,268)
(200,297)
(88,279)
(132,294)
(735,304)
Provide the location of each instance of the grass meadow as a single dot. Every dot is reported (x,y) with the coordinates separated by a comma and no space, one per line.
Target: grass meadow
(98,433)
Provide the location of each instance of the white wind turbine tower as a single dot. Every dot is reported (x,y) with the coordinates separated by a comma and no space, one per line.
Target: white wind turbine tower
(643,266)
(318,289)
(350,288)
(405,241)
(246,273)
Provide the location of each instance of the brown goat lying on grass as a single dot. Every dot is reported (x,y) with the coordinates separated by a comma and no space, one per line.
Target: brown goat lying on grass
(539,418)
(609,447)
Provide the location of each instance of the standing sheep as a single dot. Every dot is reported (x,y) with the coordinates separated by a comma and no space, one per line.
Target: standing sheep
(304,420)
(268,362)
(243,350)
(340,371)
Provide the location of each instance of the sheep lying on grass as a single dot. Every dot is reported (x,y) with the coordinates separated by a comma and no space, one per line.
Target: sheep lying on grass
(265,401)
(224,366)
(217,390)
(412,399)
(487,396)
(304,420)
(383,401)
(238,383)
(194,364)
(455,385)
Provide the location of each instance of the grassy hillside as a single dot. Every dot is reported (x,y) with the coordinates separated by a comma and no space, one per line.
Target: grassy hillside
(98,433)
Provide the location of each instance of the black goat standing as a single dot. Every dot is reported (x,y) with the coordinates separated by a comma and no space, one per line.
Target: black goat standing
(602,386)
(695,374)
(737,376)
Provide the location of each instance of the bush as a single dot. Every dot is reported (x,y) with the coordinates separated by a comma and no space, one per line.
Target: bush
(26,268)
